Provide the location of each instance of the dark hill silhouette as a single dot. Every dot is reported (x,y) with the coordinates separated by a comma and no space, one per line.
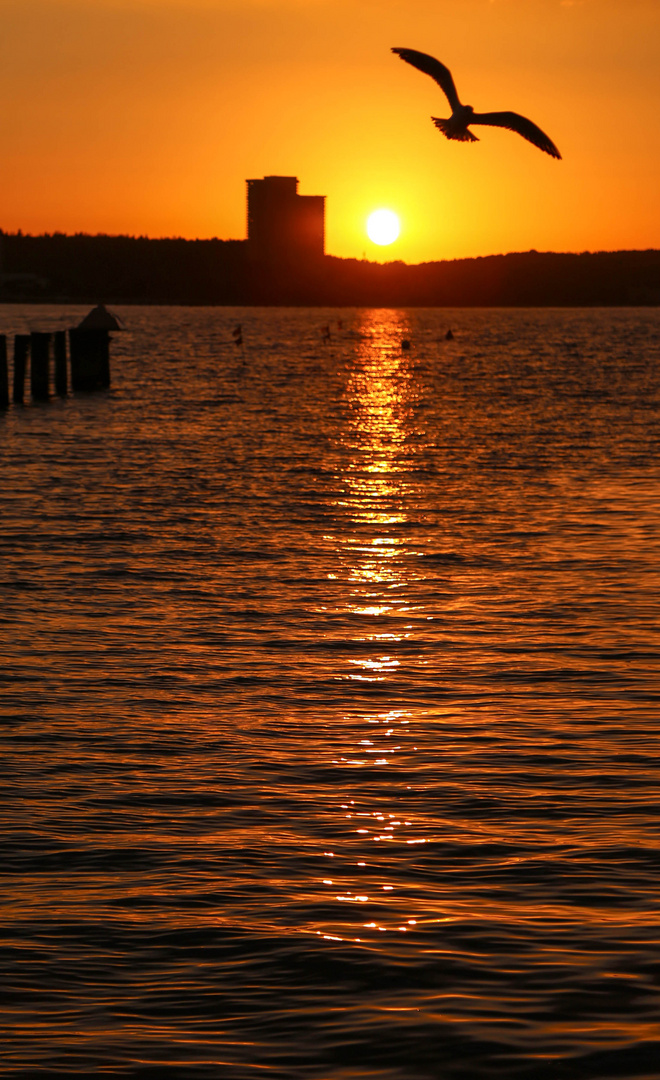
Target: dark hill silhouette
(124,269)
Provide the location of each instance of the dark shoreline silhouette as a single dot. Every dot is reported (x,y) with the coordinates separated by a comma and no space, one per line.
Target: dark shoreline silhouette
(136,270)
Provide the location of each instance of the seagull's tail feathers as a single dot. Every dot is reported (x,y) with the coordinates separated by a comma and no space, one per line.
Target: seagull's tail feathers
(445,126)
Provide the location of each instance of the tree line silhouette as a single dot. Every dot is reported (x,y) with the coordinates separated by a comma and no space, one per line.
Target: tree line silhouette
(125,269)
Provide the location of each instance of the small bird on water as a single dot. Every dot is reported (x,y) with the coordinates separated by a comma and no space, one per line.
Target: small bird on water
(462,116)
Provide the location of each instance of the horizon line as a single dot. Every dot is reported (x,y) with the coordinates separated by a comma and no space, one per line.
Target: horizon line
(342,258)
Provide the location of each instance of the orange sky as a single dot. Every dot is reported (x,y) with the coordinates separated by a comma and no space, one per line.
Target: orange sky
(147,116)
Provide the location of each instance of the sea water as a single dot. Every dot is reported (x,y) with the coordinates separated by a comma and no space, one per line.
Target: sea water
(330,699)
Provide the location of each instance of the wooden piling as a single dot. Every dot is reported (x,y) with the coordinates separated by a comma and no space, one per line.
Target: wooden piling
(39,365)
(21,349)
(4,374)
(59,340)
(90,359)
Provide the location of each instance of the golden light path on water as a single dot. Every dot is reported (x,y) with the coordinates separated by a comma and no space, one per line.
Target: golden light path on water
(380,392)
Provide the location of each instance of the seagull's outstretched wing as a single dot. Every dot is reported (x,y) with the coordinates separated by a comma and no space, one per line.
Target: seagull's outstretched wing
(513,122)
(435,69)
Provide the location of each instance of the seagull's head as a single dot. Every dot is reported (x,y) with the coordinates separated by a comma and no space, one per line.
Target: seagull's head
(464,114)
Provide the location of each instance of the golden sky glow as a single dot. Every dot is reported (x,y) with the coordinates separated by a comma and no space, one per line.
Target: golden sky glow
(146,117)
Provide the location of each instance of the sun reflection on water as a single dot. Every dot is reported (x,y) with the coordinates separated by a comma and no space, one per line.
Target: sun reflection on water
(375,473)
(376,482)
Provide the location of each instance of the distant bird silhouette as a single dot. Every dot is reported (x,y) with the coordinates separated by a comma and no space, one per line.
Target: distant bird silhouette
(462,116)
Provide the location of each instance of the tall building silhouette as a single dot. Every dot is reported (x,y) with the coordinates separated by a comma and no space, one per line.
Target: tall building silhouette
(283,226)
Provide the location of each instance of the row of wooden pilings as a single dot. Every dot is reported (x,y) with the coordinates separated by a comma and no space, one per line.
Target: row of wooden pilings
(89,352)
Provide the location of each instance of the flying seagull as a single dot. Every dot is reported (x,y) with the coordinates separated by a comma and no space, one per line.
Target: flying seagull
(462,116)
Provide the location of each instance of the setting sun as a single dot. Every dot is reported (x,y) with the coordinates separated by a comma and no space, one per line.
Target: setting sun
(383,227)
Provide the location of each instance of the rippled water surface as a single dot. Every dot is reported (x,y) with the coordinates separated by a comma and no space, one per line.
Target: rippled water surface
(330,700)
